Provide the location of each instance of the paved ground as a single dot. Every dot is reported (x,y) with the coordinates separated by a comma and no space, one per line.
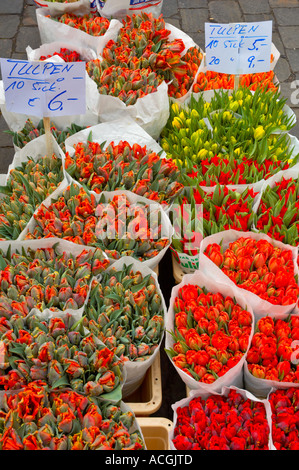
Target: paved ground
(18,29)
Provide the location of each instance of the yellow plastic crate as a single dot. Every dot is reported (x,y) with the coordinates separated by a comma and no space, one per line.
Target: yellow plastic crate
(155,432)
(147,399)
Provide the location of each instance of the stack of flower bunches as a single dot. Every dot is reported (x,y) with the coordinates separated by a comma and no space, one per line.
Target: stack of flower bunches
(230,140)
(124,166)
(28,185)
(125,311)
(118,227)
(31,132)
(197,214)
(141,57)
(91,24)
(59,352)
(43,278)
(33,419)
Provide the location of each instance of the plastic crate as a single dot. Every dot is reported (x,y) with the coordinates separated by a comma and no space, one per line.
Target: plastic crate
(155,431)
(147,399)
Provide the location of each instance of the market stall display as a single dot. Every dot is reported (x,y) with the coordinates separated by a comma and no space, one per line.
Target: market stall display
(169,155)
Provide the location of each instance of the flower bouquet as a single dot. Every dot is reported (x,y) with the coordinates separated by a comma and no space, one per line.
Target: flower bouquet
(42,275)
(277,208)
(113,166)
(208,332)
(221,141)
(231,420)
(79,28)
(32,177)
(33,419)
(284,407)
(272,357)
(59,352)
(263,269)
(197,214)
(125,310)
(117,223)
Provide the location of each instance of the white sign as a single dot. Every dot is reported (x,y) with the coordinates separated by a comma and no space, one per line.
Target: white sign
(44,89)
(238,48)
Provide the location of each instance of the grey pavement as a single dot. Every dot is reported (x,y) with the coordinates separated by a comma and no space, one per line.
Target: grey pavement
(18,29)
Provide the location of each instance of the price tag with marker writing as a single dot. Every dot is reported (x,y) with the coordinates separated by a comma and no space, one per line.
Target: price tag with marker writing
(238,48)
(44,89)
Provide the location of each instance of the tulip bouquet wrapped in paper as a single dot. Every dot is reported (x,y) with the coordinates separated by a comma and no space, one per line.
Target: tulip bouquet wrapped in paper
(129,160)
(126,311)
(32,177)
(264,270)
(208,332)
(78,29)
(277,207)
(46,275)
(272,359)
(198,213)
(34,419)
(231,420)
(284,407)
(221,141)
(119,222)
(61,353)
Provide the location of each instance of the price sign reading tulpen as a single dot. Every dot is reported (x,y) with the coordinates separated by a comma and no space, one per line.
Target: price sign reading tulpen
(238,48)
(44,88)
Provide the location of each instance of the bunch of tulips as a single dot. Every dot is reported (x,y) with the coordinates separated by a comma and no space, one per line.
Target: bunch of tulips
(197,214)
(220,422)
(126,84)
(66,54)
(259,267)
(44,278)
(91,24)
(123,166)
(211,333)
(116,226)
(274,349)
(125,312)
(214,80)
(31,132)
(34,419)
(58,351)
(277,213)
(27,186)
(230,140)
(284,407)
(193,58)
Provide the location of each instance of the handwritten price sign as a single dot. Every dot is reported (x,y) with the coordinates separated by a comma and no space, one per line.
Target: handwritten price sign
(238,48)
(44,89)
